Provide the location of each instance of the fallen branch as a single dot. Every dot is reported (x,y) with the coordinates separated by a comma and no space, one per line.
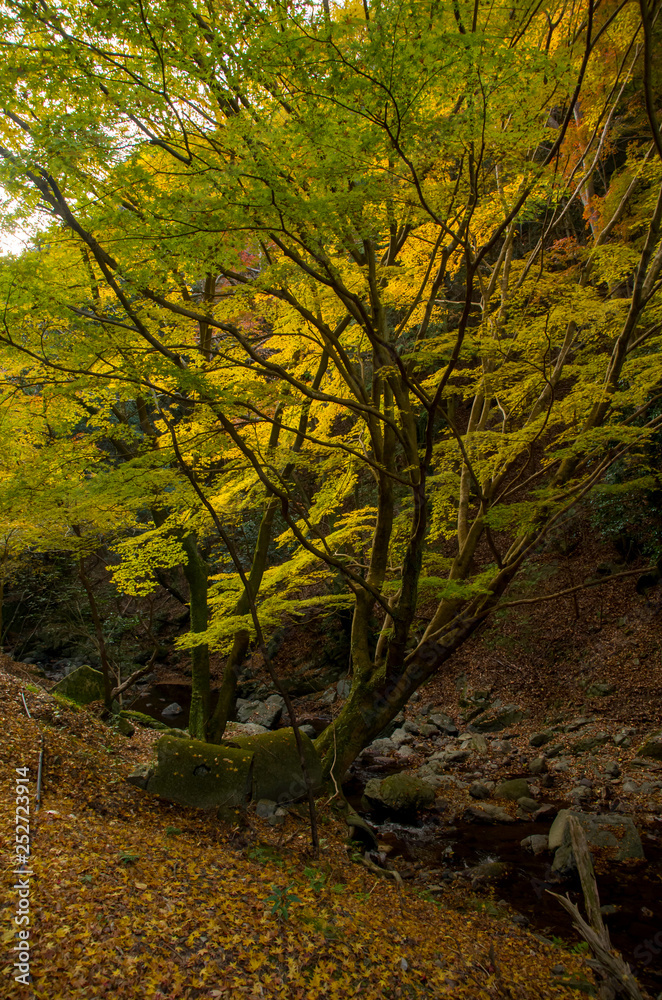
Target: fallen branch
(616,979)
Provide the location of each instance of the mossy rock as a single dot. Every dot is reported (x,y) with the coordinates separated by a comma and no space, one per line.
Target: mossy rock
(514,789)
(205,775)
(146,721)
(82,686)
(401,793)
(652,746)
(277,773)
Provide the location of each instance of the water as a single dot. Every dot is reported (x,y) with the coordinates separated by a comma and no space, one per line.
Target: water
(440,852)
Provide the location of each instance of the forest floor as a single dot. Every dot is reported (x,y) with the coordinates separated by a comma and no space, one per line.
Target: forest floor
(134,897)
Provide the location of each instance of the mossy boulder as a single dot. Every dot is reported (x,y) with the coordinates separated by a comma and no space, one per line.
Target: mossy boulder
(205,775)
(400,793)
(514,789)
(225,776)
(652,746)
(277,773)
(82,685)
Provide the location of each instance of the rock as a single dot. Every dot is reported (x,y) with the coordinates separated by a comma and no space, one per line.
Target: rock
(497,719)
(124,727)
(652,746)
(479,791)
(553,751)
(343,687)
(623,737)
(545,813)
(444,723)
(558,970)
(278,817)
(172,709)
(479,743)
(261,713)
(487,813)
(83,686)
(277,770)
(142,720)
(513,789)
(401,736)
(411,727)
(265,808)
(609,909)
(581,793)
(192,773)
(612,769)
(328,697)
(400,793)
(382,746)
(613,834)
(224,776)
(308,731)
(404,751)
(427,730)
(540,739)
(527,805)
(490,871)
(140,775)
(630,786)
(589,743)
(446,757)
(576,724)
(244,729)
(599,689)
(537,843)
(538,765)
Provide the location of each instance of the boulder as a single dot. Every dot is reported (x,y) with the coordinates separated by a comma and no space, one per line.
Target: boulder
(612,834)
(514,789)
(499,718)
(590,743)
(537,843)
(540,739)
(124,727)
(479,791)
(244,729)
(487,813)
(538,765)
(400,793)
(172,709)
(599,689)
(261,713)
(652,746)
(83,686)
(205,775)
(225,776)
(277,770)
(444,723)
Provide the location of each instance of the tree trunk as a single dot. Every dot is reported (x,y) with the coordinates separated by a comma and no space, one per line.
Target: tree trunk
(105,665)
(195,569)
(228,690)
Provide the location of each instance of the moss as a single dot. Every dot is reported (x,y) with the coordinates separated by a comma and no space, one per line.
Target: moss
(82,686)
(277,773)
(144,720)
(205,775)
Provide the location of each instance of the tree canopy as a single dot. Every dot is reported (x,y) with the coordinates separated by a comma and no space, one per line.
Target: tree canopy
(381,278)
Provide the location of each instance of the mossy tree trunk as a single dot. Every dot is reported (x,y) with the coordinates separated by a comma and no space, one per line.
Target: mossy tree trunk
(196,571)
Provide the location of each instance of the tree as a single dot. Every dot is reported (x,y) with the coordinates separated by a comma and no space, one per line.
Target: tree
(432,322)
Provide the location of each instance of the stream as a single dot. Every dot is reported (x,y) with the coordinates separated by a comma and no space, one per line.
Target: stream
(433,853)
